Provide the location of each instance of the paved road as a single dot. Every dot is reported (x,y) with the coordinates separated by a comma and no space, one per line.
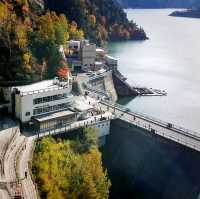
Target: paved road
(15,162)
(27,183)
(4,194)
(6,138)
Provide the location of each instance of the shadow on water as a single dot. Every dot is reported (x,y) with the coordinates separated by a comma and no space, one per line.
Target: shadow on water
(125,100)
(145,166)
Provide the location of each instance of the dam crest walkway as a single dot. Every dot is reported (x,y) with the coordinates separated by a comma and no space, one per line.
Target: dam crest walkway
(170,131)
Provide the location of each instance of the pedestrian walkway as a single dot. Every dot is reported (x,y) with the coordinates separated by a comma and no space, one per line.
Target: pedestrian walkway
(178,134)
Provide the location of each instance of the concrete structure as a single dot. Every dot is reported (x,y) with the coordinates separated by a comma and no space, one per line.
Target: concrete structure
(88,55)
(100,54)
(111,62)
(75,45)
(100,122)
(169,131)
(122,87)
(103,83)
(75,64)
(83,55)
(41,98)
(54,120)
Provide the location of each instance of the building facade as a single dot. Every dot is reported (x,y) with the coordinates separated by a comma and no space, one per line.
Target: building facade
(41,98)
(88,55)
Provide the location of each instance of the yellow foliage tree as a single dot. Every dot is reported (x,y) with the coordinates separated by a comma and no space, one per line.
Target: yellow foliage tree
(21,33)
(92,19)
(46,27)
(62,173)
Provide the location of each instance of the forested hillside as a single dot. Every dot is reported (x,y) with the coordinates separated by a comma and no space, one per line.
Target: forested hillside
(100,19)
(158,3)
(31,32)
(29,40)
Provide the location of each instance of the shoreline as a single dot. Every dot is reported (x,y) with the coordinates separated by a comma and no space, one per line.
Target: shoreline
(190,13)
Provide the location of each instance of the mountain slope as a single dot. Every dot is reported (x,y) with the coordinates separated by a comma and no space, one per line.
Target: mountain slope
(158,3)
(100,19)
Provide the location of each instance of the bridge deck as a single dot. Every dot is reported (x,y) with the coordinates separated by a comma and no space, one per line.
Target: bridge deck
(180,135)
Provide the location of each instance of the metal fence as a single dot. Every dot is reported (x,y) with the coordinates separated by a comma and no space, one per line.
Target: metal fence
(150,119)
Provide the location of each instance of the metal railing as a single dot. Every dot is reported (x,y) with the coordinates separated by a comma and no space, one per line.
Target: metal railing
(170,137)
(74,126)
(100,75)
(42,90)
(150,119)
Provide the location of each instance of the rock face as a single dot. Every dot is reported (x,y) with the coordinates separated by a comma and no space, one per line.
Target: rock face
(37,5)
(123,89)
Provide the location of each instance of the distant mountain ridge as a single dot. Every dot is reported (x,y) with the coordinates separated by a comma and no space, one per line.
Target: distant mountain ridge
(158,3)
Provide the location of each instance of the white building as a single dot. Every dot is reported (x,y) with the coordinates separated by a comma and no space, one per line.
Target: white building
(100,53)
(88,55)
(75,45)
(111,61)
(41,98)
(83,55)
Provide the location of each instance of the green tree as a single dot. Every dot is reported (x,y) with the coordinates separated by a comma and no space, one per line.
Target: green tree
(62,172)
(86,140)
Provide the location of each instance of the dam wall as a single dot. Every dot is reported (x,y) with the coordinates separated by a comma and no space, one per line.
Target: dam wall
(143,165)
(104,82)
(110,88)
(123,89)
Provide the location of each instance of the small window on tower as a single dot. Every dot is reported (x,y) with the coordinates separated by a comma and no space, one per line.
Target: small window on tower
(28,113)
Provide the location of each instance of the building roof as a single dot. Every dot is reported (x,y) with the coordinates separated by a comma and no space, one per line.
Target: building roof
(82,106)
(110,57)
(97,63)
(53,116)
(100,50)
(42,86)
(36,86)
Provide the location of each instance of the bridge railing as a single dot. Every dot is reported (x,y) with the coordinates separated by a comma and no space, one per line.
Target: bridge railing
(151,119)
(76,125)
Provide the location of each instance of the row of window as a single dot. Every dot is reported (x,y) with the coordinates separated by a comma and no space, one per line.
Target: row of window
(99,126)
(48,109)
(49,98)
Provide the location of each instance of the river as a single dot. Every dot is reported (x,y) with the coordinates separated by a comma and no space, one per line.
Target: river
(169,60)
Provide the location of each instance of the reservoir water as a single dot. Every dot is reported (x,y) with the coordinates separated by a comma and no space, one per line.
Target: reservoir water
(169,60)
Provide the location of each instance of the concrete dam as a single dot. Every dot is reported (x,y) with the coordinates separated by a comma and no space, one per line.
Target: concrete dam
(143,165)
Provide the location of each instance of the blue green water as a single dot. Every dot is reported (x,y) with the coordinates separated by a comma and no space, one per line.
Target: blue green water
(169,60)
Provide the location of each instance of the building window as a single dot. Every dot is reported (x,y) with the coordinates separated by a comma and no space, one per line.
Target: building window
(28,113)
(49,98)
(48,109)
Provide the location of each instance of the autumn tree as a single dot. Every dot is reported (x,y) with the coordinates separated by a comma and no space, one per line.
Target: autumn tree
(92,19)
(74,32)
(63,72)
(62,172)
(53,31)
(86,140)
(15,56)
